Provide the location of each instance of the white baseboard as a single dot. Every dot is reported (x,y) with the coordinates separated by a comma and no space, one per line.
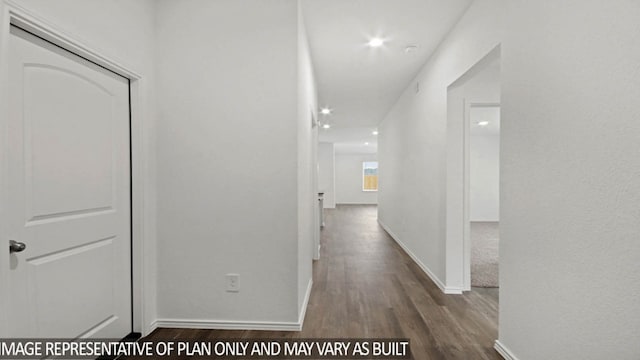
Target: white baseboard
(453,290)
(503,351)
(357,203)
(305,303)
(151,328)
(237,325)
(425,268)
(228,325)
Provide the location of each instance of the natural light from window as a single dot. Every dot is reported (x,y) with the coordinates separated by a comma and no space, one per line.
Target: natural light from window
(370,176)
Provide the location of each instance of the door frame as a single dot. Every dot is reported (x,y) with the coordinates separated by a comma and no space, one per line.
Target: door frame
(457,244)
(13,14)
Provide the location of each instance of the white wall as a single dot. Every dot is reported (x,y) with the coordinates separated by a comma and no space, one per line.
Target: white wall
(308,210)
(231,126)
(412,145)
(570,214)
(484,164)
(326,173)
(123,31)
(570,161)
(349,180)
(484,189)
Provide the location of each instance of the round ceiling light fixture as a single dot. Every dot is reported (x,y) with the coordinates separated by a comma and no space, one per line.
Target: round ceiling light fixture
(326,126)
(325,111)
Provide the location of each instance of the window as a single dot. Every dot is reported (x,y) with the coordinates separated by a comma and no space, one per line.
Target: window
(370,176)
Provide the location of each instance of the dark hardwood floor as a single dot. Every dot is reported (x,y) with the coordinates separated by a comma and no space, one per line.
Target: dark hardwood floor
(366,286)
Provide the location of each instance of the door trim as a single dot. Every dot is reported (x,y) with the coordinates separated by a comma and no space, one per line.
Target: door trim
(457,250)
(141,215)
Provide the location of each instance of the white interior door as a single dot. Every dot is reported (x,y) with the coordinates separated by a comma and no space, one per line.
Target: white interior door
(69,194)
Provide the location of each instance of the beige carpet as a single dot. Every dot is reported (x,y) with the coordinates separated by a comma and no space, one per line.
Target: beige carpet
(484,254)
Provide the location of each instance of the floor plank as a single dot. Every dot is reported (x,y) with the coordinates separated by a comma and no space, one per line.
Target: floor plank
(366,286)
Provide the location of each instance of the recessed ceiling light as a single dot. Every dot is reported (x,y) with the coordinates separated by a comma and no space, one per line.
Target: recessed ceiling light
(376,42)
(375,132)
(366,143)
(326,126)
(325,111)
(483,123)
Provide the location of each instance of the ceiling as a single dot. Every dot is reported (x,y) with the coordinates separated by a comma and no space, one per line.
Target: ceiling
(358,140)
(360,83)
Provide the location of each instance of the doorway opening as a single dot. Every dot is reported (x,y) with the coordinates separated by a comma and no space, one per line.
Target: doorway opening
(473,124)
(484,193)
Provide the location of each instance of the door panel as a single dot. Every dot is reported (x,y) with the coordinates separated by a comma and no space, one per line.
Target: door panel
(89,302)
(69,194)
(53,153)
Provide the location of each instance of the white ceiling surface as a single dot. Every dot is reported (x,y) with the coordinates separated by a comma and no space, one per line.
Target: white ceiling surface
(359,83)
(351,140)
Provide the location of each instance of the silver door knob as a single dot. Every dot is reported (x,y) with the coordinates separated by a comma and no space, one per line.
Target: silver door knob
(15,246)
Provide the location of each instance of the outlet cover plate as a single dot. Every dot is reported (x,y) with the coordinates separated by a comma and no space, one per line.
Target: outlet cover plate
(233,283)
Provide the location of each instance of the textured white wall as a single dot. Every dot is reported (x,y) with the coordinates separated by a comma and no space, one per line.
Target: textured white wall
(349,180)
(570,211)
(326,173)
(228,136)
(413,138)
(569,167)
(123,31)
(308,210)
(484,187)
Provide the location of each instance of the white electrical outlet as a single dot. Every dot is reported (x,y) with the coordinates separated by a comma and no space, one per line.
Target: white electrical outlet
(233,283)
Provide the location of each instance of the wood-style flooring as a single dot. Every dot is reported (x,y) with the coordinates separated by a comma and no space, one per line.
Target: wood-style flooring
(366,286)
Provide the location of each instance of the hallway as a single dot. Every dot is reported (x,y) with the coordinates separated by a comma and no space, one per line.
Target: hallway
(366,286)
